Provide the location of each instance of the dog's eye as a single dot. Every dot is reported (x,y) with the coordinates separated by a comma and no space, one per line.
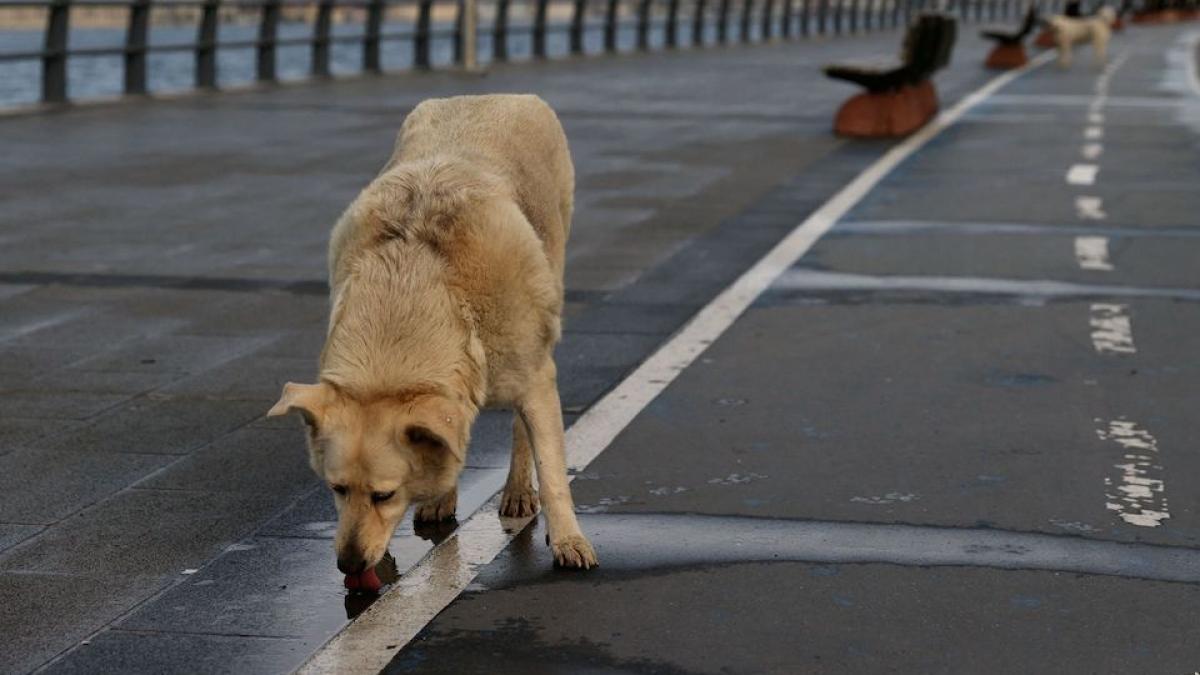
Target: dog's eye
(382,496)
(340,489)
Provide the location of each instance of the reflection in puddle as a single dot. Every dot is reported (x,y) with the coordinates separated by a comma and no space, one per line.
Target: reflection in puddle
(357,601)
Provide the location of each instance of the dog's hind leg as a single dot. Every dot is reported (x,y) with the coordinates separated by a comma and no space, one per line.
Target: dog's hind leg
(437,510)
(519,499)
(542,413)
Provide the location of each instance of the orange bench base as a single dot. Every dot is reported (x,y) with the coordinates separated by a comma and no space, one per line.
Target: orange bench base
(887,115)
(1164,16)
(1046,39)
(1007,57)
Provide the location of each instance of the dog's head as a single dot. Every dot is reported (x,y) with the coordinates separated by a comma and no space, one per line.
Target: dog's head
(378,456)
(1107,14)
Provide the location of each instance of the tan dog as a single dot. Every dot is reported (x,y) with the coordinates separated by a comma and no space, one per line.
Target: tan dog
(446,287)
(1070,31)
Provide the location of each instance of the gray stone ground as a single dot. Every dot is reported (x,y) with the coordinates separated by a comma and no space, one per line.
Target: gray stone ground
(161,276)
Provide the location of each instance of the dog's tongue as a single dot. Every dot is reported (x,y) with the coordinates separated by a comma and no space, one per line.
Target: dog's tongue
(366,581)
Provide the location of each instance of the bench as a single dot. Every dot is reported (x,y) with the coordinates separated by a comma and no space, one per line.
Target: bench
(1009,51)
(900,97)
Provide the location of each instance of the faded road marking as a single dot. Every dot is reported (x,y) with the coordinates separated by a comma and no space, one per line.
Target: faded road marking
(1092,253)
(1090,208)
(1137,494)
(651,541)
(1093,133)
(1091,151)
(818,280)
(1082,174)
(1112,330)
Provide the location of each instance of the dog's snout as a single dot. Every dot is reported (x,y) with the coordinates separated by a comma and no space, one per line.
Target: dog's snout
(351,562)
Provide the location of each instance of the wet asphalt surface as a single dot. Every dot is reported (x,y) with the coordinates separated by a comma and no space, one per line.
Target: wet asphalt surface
(150,310)
(915,369)
(929,447)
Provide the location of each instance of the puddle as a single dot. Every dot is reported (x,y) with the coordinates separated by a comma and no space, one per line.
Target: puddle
(357,602)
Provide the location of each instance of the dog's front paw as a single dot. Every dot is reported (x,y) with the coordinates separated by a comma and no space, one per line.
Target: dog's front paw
(574,551)
(519,504)
(437,510)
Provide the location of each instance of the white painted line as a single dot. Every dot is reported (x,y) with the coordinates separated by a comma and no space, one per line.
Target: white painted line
(803,279)
(1092,151)
(370,642)
(1090,208)
(1093,133)
(1112,329)
(1095,118)
(1082,174)
(1092,253)
(1192,43)
(1137,495)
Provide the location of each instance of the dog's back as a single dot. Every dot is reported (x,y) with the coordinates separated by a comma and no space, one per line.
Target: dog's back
(518,137)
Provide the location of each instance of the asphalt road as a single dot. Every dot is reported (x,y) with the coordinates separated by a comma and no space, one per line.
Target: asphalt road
(956,437)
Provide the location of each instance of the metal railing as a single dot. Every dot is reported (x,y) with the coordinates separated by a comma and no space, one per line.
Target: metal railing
(704,22)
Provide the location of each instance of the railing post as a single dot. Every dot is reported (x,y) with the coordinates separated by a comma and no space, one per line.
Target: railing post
(421,35)
(374,22)
(578,13)
(500,32)
(853,16)
(698,23)
(320,46)
(723,22)
(539,30)
(786,20)
(804,16)
(610,25)
(896,12)
(768,20)
(643,25)
(135,47)
(206,45)
(837,17)
(822,15)
(978,10)
(268,29)
(460,9)
(54,60)
(747,10)
(671,38)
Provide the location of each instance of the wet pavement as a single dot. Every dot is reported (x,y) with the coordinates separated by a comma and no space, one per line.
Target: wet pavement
(956,436)
(161,277)
(934,445)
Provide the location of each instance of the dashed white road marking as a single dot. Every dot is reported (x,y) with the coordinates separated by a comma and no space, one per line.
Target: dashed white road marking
(1082,174)
(1090,208)
(371,641)
(1093,133)
(1137,494)
(1092,253)
(1095,118)
(1091,151)
(1112,329)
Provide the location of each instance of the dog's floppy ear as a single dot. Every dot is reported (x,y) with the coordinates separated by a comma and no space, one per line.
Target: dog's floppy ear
(439,424)
(310,400)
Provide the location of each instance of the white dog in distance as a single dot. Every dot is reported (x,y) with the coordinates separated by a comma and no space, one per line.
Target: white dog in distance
(1070,31)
